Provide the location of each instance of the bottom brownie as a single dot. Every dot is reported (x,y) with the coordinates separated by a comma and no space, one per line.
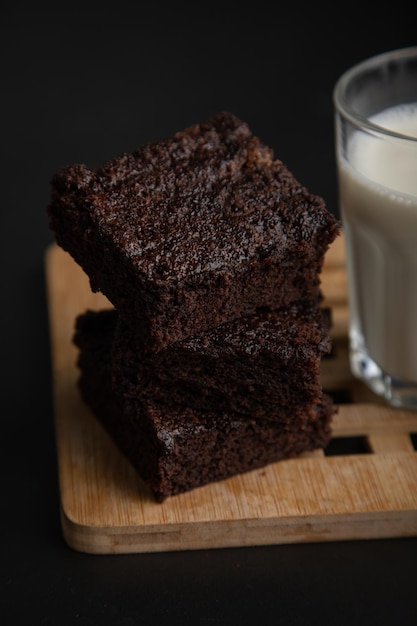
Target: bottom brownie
(178,449)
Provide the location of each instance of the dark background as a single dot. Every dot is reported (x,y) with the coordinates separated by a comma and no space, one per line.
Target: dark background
(81,85)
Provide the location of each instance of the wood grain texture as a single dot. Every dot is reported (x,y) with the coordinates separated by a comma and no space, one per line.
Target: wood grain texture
(105,507)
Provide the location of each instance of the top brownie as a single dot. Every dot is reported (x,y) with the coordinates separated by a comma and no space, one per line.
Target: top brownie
(192,231)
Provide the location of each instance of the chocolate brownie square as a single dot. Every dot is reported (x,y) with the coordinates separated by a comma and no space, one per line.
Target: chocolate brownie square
(176,449)
(192,231)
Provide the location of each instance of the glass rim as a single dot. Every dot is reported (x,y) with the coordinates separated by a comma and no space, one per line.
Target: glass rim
(343,107)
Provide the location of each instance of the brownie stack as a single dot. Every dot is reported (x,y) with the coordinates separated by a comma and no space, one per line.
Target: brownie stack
(210,252)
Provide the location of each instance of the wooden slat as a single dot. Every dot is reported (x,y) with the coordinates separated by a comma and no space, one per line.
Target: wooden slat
(335,256)
(392,442)
(334,284)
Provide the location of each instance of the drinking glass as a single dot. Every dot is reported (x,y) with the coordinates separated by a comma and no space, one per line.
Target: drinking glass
(376,152)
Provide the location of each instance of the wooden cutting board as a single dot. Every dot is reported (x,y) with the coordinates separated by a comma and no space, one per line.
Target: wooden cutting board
(105,508)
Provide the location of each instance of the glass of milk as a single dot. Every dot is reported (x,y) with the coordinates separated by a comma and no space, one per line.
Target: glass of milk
(376,151)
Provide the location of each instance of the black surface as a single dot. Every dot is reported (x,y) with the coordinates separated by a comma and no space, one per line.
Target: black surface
(79,86)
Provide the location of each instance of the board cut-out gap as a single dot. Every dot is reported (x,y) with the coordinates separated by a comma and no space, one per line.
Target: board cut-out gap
(339,446)
(340,396)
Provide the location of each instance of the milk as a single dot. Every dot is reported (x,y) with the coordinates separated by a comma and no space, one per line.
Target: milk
(378,199)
